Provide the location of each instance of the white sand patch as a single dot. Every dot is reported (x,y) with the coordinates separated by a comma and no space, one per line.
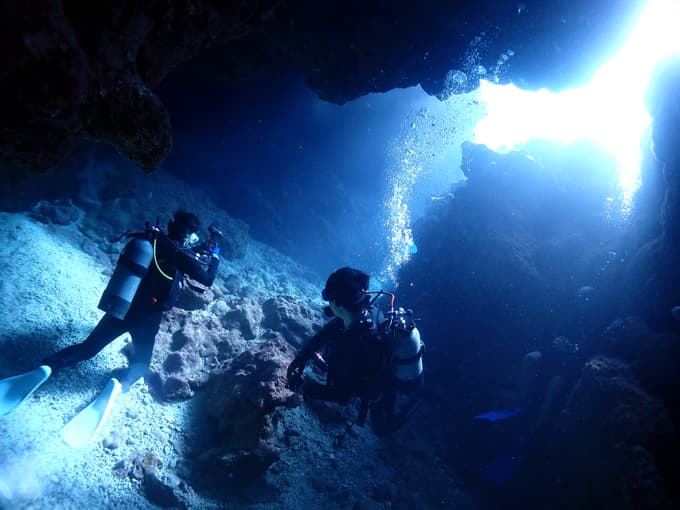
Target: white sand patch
(47,285)
(51,290)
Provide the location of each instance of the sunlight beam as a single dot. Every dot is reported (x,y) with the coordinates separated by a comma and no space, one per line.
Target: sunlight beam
(609,110)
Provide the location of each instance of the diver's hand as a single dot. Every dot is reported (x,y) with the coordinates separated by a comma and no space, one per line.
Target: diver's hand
(295,369)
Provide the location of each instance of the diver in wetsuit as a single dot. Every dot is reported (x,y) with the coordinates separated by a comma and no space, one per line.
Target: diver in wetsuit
(365,354)
(159,291)
(147,281)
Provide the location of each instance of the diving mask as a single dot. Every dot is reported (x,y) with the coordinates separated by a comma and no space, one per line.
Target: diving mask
(191,240)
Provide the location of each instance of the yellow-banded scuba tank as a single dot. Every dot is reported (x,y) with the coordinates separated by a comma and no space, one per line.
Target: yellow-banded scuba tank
(406,360)
(133,263)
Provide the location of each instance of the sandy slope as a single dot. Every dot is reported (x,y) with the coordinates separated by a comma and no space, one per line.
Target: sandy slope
(50,289)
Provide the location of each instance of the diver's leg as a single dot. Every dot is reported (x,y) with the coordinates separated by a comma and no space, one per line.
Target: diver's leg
(143,334)
(108,329)
(382,414)
(396,406)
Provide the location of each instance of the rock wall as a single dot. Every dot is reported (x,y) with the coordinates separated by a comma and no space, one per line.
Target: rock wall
(528,255)
(73,72)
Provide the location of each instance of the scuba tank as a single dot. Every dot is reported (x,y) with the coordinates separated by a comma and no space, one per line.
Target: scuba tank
(132,265)
(407,347)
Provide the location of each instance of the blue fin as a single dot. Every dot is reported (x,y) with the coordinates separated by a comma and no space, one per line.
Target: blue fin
(500,414)
(14,390)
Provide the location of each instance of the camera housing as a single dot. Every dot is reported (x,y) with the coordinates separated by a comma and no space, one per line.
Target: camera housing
(205,249)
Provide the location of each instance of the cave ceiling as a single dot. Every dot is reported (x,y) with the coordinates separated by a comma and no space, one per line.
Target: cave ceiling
(78,71)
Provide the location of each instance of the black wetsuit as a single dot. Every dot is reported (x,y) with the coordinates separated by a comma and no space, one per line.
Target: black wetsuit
(358,360)
(355,360)
(155,295)
(398,400)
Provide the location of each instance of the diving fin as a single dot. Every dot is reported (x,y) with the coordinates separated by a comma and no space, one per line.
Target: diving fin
(83,426)
(14,390)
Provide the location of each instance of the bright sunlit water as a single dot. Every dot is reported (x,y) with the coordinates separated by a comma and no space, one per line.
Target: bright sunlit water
(609,110)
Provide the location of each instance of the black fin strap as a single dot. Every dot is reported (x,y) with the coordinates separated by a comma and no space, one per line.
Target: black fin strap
(359,420)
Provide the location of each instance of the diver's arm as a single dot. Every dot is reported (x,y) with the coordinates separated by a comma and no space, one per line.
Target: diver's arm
(297,366)
(187,263)
(317,341)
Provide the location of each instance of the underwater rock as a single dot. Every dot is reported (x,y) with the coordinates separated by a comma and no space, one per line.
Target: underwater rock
(294,319)
(653,276)
(160,493)
(137,465)
(99,68)
(245,315)
(502,244)
(497,275)
(549,406)
(146,468)
(654,356)
(245,464)
(675,311)
(59,212)
(660,99)
(626,337)
(239,422)
(188,347)
(613,446)
(113,440)
(232,283)
(564,345)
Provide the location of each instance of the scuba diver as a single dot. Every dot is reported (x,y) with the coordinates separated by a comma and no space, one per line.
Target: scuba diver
(147,281)
(367,354)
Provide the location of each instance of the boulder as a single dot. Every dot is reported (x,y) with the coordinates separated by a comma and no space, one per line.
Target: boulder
(294,319)
(237,435)
(189,346)
(612,446)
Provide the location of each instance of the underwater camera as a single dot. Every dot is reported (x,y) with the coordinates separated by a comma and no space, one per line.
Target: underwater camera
(205,249)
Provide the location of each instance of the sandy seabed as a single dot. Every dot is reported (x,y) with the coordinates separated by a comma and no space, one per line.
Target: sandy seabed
(50,289)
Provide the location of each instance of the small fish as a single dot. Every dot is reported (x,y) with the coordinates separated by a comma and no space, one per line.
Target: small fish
(499,415)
